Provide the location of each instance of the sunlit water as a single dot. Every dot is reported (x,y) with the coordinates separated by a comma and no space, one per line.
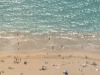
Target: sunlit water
(45,16)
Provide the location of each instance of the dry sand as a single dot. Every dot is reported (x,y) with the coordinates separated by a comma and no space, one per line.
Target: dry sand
(49,62)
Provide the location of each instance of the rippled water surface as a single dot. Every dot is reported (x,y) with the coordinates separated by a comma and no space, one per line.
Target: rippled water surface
(44,16)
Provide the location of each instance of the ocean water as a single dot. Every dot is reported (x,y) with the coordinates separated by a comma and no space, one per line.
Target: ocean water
(46,16)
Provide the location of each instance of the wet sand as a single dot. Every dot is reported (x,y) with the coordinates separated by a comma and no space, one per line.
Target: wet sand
(66,41)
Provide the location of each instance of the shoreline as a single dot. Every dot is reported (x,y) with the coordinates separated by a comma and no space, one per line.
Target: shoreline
(25,41)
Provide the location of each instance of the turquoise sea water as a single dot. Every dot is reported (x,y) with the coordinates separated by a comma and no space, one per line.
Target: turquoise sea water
(45,16)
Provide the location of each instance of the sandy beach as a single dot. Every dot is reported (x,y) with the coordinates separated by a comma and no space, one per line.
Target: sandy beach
(25,54)
(49,62)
